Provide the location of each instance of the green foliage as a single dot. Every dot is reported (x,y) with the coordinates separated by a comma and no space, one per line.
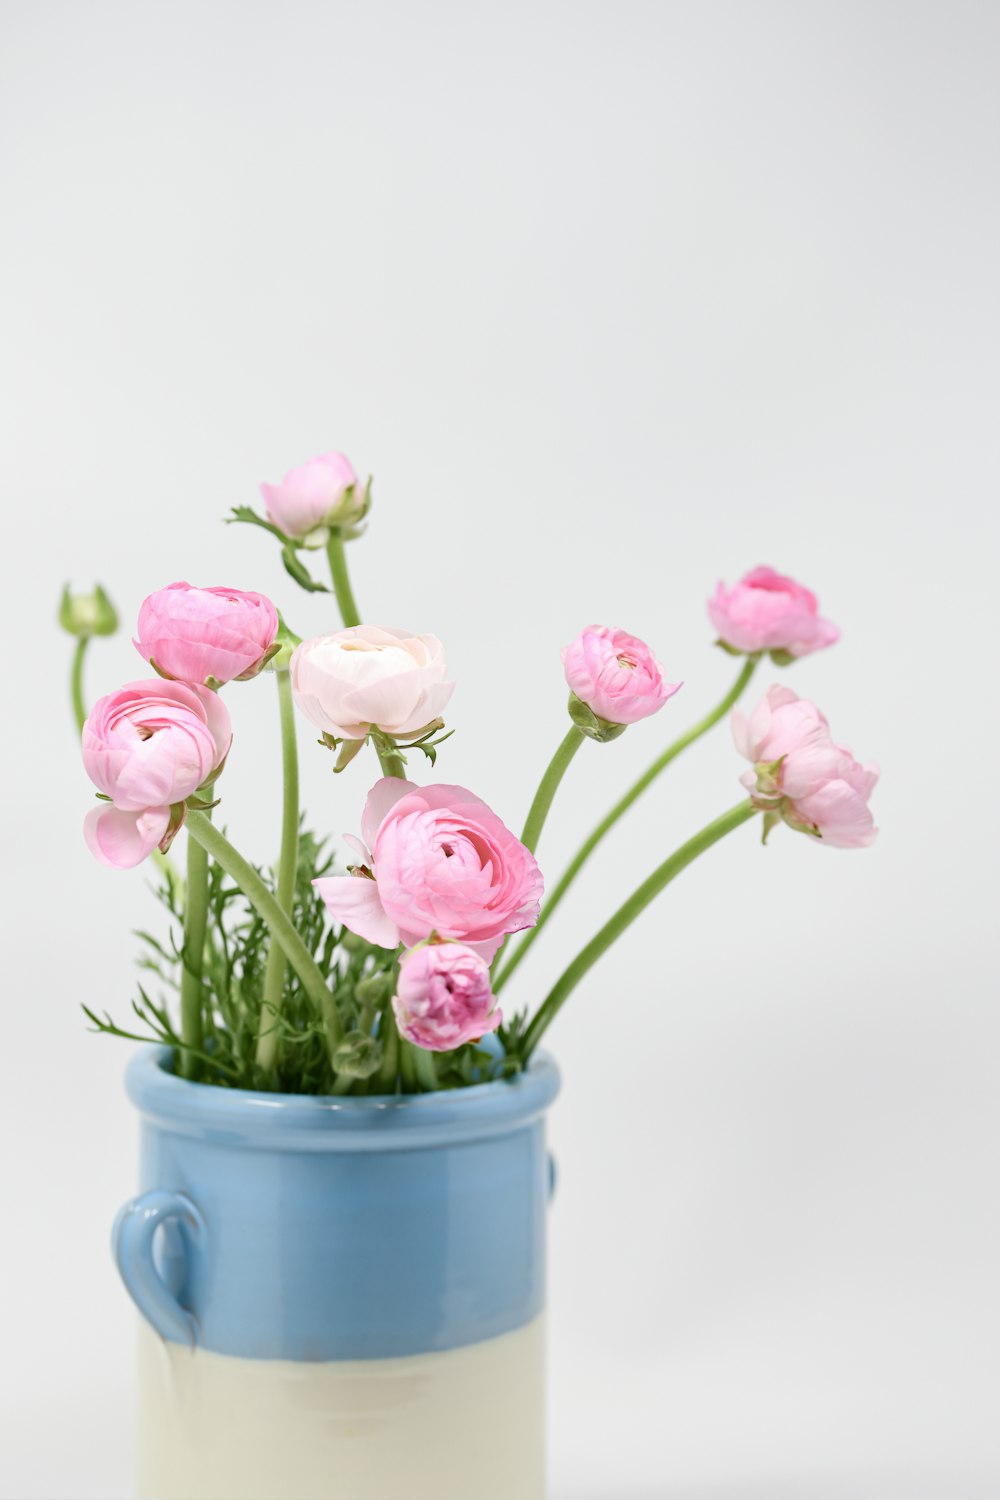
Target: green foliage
(362,980)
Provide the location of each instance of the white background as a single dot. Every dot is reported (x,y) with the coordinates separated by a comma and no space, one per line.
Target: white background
(613,300)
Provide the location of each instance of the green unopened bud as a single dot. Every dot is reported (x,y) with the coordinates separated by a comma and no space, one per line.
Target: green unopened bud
(358,1056)
(376,990)
(591,724)
(84,615)
(782,658)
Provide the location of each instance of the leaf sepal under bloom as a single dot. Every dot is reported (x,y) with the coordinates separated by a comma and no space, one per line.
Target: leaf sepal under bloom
(591,724)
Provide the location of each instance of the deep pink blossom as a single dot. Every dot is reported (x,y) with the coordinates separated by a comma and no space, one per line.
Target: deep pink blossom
(801,775)
(443,996)
(194,635)
(147,748)
(766,611)
(615,675)
(434,859)
(320,493)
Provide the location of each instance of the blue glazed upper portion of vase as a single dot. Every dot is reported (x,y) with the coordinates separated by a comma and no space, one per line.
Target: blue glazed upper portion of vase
(355,1228)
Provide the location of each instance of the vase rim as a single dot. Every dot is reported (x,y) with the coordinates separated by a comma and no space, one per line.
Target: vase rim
(324,1122)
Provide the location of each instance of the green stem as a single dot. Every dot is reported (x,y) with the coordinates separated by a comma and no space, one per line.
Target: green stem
(626,914)
(426,1068)
(274,971)
(621,807)
(341,580)
(391,761)
(549,784)
(204,832)
(76,682)
(388,1072)
(195,922)
(407,1067)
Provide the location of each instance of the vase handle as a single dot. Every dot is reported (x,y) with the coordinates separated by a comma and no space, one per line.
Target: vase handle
(132,1247)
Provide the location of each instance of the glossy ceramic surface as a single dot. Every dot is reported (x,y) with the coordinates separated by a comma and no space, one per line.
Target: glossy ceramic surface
(275,1227)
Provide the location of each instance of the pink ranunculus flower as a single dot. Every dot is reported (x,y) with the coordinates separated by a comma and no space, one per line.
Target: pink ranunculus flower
(766,611)
(147,747)
(198,635)
(801,775)
(321,493)
(615,675)
(371,677)
(434,860)
(443,996)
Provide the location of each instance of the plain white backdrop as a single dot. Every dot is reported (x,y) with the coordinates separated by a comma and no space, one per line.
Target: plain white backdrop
(613,300)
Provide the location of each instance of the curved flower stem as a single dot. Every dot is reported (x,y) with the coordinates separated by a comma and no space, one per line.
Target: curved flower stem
(341,581)
(626,914)
(204,832)
(621,807)
(274,971)
(76,682)
(193,966)
(548,786)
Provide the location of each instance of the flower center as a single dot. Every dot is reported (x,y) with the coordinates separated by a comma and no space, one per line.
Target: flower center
(627,661)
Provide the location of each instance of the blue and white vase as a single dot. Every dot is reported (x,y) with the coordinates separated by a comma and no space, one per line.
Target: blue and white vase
(342,1299)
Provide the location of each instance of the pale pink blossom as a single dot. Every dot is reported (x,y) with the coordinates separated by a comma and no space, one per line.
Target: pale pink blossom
(443,996)
(195,635)
(147,748)
(767,611)
(615,675)
(371,677)
(434,860)
(320,493)
(801,775)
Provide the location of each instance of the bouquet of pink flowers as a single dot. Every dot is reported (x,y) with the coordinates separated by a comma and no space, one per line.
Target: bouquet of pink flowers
(399,991)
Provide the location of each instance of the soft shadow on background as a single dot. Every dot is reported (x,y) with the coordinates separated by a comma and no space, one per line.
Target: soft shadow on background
(613,300)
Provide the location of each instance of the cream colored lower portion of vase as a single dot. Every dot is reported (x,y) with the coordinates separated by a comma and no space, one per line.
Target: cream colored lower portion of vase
(469,1422)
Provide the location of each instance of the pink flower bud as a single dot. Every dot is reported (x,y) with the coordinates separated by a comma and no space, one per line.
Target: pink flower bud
(321,493)
(371,677)
(434,859)
(194,635)
(147,748)
(767,612)
(615,675)
(443,997)
(800,775)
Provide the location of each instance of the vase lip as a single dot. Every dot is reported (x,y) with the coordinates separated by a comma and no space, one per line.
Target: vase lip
(324,1122)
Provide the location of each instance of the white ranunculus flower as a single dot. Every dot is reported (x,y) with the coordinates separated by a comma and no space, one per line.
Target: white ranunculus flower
(371,676)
